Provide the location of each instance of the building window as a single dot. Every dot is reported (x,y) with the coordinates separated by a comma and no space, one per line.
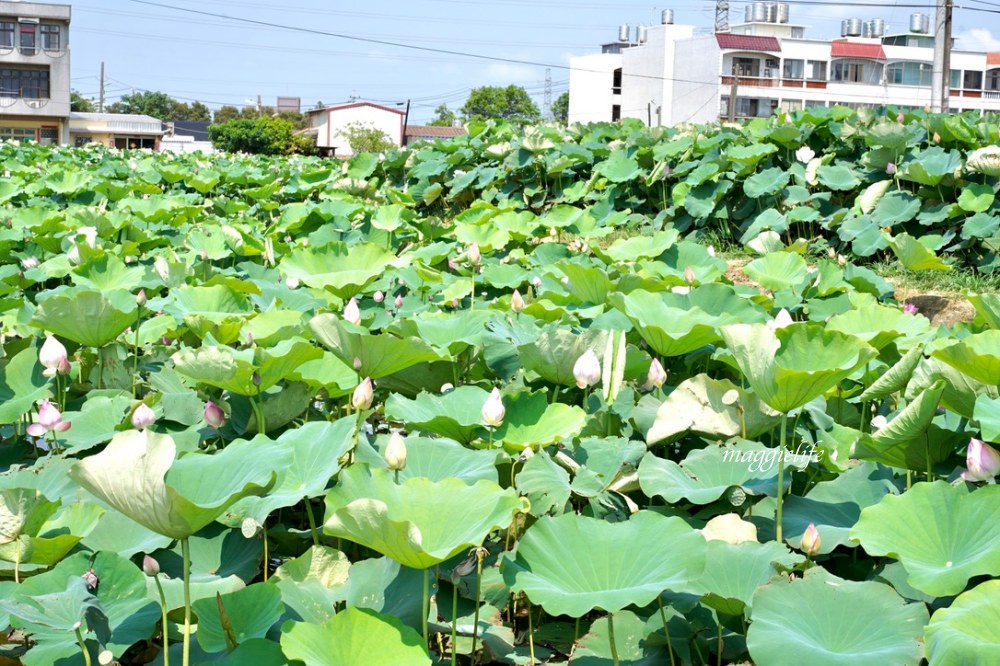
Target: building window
(18,134)
(972,80)
(909,73)
(7,30)
(816,70)
(83,140)
(793,69)
(48,136)
(616,82)
(746,67)
(856,71)
(616,112)
(24,82)
(27,42)
(790,105)
(50,37)
(955,82)
(993,79)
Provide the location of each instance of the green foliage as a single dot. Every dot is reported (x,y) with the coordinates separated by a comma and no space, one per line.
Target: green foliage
(81,104)
(265,136)
(363,138)
(493,102)
(560,108)
(443,117)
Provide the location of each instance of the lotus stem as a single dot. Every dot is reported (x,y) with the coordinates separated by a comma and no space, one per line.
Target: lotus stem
(479,592)
(927,451)
(267,555)
(666,629)
(100,367)
(163,610)
(312,523)
(425,605)
(781,477)
(472,299)
(531,633)
(454,622)
(135,354)
(611,639)
(17,562)
(186,557)
(83,646)
(718,655)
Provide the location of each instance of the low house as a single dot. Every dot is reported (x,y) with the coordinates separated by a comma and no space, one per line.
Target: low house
(115,130)
(416,133)
(187,136)
(329,125)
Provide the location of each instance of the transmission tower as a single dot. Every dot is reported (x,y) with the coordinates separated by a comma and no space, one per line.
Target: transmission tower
(721,16)
(547,99)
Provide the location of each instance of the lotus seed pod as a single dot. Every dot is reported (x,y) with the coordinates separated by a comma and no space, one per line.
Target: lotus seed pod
(587,369)
(493,409)
(363,395)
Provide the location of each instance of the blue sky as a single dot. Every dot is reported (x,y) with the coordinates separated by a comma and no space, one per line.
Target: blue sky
(222,61)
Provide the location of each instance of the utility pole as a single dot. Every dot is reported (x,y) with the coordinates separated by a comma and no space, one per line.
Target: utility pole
(941,74)
(258,106)
(406,122)
(100,99)
(732,95)
(547,100)
(721,16)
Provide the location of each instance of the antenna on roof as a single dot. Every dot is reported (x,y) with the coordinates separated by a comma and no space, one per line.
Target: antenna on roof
(721,16)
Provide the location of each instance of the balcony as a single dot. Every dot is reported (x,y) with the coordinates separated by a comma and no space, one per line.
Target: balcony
(771,82)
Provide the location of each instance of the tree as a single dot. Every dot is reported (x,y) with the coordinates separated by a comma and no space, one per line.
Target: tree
(364,138)
(226,113)
(266,136)
(78,102)
(560,108)
(147,102)
(511,103)
(195,111)
(444,117)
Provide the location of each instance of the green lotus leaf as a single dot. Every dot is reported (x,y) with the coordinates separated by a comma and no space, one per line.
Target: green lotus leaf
(85,316)
(620,167)
(545,484)
(908,440)
(915,256)
(931,165)
(778,270)
(943,535)
(706,474)
(553,354)
(790,366)
(61,611)
(960,390)
(879,325)
(380,355)
(532,422)
(107,272)
(976,197)
(733,572)
(632,643)
(312,584)
(137,475)
(231,619)
(456,414)
(450,332)
(977,355)
(355,637)
(766,182)
(344,270)
(837,177)
(234,369)
(967,631)
(895,208)
(418,522)
(831,620)
(987,308)
(572,564)
(639,247)
(436,459)
(21,385)
(987,413)
(384,586)
(895,378)
(715,409)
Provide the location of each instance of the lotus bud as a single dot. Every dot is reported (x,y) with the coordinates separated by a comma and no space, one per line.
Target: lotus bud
(587,369)
(879,422)
(805,154)
(91,579)
(378,297)
(493,409)
(28,263)
(351,312)
(656,375)
(395,452)
(51,355)
(982,460)
(447,387)
(689,275)
(204,255)
(214,416)
(711,250)
(255,378)
(516,302)
(143,417)
(937,138)
(140,298)
(536,282)
(526,454)
(890,168)
(473,253)
(910,309)
(811,542)
(398,303)
(781,320)
(363,395)
(900,118)
(150,566)
(292,283)
(49,418)
(927,108)
(357,364)
(452,265)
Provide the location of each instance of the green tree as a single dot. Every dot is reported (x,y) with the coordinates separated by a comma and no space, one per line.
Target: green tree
(444,117)
(511,103)
(194,111)
(560,108)
(364,138)
(266,136)
(78,102)
(148,102)
(226,113)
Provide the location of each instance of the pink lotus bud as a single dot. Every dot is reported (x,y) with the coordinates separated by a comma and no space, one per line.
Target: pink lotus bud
(150,566)
(51,355)
(140,298)
(90,578)
(378,297)
(363,395)
(398,303)
(395,452)
(689,275)
(214,416)
(811,542)
(49,420)
(890,168)
(516,302)
(452,265)
(256,379)
(143,417)
(937,138)
(473,253)
(493,409)
(656,375)
(587,369)
(204,255)
(911,309)
(900,118)
(982,460)
(351,312)
(64,367)
(357,364)
(536,282)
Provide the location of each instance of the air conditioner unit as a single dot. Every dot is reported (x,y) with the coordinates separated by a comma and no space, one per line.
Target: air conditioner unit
(771,62)
(35,103)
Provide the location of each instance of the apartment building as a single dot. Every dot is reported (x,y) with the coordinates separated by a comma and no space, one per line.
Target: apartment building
(669,74)
(34,72)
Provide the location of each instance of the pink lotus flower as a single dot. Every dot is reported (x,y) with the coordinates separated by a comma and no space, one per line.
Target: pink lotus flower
(900,118)
(982,460)
(910,309)
(214,416)
(890,168)
(52,356)
(49,420)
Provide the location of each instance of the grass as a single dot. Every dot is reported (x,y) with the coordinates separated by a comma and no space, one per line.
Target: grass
(955,282)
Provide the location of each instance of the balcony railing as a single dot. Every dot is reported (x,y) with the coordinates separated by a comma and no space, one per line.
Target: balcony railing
(771,82)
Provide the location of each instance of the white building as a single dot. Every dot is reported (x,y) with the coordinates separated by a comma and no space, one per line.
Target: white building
(329,125)
(668,74)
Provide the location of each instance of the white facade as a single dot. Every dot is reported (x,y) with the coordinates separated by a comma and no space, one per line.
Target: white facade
(674,76)
(329,124)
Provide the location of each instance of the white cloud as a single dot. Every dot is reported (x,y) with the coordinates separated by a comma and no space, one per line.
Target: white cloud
(977,39)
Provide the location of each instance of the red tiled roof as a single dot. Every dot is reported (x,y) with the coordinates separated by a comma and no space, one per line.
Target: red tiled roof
(857,50)
(993,58)
(432,130)
(728,40)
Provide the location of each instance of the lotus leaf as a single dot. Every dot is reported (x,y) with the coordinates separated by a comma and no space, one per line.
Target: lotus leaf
(355,637)
(344,270)
(968,631)
(88,317)
(977,355)
(231,619)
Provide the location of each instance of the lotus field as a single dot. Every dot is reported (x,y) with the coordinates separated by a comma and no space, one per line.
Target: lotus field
(497,401)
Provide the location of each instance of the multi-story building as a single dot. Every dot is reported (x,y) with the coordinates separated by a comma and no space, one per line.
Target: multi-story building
(34,71)
(670,74)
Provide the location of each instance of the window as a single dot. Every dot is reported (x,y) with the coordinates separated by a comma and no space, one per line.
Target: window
(27,42)
(616,82)
(616,112)
(790,105)
(7,34)
(793,69)
(18,134)
(956,79)
(50,37)
(83,140)
(746,66)
(909,73)
(48,136)
(855,71)
(993,80)
(972,80)
(816,70)
(24,82)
